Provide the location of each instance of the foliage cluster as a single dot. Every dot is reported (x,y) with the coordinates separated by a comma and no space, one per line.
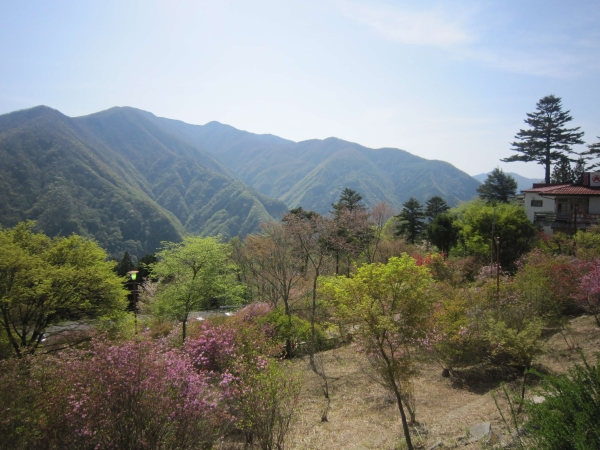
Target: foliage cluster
(146,394)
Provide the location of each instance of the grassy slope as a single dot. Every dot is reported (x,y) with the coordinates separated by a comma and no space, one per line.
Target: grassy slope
(364,415)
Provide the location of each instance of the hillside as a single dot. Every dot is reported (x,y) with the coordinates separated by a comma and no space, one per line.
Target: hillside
(312,173)
(118,178)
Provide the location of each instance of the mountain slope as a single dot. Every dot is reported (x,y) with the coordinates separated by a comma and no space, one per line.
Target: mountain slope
(119,178)
(522,182)
(52,175)
(312,173)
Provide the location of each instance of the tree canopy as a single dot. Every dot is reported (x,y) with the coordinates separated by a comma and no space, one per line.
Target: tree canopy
(443,233)
(563,172)
(45,281)
(195,274)
(391,306)
(434,206)
(349,200)
(498,187)
(410,220)
(547,140)
(475,221)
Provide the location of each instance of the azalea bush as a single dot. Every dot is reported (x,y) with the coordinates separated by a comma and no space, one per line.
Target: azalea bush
(137,395)
(548,282)
(260,391)
(588,293)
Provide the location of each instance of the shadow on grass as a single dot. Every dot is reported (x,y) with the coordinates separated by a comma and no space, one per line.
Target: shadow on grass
(480,379)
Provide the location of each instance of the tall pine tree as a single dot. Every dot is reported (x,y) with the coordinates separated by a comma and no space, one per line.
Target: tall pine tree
(410,220)
(434,206)
(547,140)
(498,187)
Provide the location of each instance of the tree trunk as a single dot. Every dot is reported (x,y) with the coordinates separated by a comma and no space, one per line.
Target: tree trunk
(403,416)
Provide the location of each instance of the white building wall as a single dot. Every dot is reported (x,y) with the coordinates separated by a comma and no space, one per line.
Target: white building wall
(547,204)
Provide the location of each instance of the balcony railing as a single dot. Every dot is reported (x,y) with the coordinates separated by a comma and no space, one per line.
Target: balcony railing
(579,218)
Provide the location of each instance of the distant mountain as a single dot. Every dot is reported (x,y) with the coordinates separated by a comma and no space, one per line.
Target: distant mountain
(130,179)
(522,182)
(119,178)
(313,173)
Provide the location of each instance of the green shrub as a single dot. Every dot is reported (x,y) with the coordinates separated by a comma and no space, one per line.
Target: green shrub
(293,328)
(569,418)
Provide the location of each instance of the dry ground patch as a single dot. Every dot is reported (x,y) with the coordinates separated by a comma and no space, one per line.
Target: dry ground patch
(363,415)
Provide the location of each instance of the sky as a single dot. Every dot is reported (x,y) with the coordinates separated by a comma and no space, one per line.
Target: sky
(451,81)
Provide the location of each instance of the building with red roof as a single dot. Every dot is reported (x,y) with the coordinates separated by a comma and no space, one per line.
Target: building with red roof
(564,207)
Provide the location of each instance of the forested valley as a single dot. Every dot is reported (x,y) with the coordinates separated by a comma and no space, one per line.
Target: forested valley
(213,343)
(356,325)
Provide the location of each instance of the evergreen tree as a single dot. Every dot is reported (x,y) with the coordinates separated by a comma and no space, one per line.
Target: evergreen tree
(350,200)
(562,172)
(125,265)
(498,187)
(443,233)
(410,220)
(547,140)
(434,206)
(579,169)
(299,212)
(593,152)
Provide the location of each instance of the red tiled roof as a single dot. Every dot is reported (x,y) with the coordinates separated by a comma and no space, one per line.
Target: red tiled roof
(564,189)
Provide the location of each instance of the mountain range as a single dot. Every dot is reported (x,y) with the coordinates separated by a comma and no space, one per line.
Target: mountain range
(131,179)
(522,182)
(312,173)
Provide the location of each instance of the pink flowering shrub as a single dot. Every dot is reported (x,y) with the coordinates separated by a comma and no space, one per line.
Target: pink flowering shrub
(588,293)
(261,392)
(147,394)
(135,395)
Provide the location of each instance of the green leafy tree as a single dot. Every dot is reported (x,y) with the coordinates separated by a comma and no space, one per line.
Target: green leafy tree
(390,306)
(498,187)
(434,206)
(547,140)
(443,233)
(299,212)
(195,274)
(475,220)
(45,281)
(410,220)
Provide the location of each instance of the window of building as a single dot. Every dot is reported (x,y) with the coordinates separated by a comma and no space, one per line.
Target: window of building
(537,203)
(570,205)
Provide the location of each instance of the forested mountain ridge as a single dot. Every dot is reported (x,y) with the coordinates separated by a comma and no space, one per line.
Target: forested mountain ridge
(312,173)
(118,178)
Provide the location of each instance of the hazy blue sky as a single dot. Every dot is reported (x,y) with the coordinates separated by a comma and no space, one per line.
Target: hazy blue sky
(442,80)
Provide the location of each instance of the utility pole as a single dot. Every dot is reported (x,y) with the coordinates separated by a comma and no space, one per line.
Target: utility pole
(497,268)
(133,276)
(492,242)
